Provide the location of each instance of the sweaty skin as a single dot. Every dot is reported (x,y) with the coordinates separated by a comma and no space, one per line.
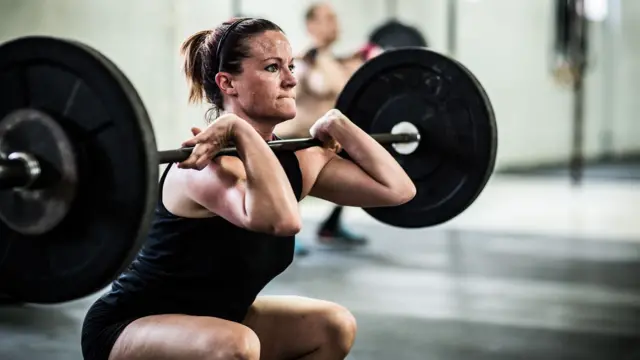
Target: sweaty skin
(255,105)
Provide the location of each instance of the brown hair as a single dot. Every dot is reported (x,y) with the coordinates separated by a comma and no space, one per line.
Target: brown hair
(311,11)
(205,55)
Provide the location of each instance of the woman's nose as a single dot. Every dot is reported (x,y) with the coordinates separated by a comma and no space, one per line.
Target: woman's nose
(290,78)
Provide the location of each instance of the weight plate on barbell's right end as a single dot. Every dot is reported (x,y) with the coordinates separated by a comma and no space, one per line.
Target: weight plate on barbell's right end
(457,151)
(117,168)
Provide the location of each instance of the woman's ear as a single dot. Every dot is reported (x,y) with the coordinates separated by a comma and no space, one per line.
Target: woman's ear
(225,83)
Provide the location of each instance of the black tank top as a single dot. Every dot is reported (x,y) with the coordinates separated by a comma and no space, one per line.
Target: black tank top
(206,267)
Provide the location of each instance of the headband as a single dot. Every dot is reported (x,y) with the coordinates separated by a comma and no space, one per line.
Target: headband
(222,39)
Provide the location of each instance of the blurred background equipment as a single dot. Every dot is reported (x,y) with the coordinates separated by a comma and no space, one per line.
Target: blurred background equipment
(394,33)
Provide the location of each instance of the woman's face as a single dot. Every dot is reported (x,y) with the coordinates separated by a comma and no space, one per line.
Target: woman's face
(266,86)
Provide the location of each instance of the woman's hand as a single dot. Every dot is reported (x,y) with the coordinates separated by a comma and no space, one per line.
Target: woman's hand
(370,178)
(321,129)
(209,141)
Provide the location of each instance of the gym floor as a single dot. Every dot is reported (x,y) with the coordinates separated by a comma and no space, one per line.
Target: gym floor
(534,269)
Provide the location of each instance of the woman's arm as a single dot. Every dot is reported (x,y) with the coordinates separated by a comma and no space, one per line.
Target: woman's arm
(255,193)
(374,178)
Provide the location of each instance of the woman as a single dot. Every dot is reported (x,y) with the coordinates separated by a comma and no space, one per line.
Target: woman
(224,228)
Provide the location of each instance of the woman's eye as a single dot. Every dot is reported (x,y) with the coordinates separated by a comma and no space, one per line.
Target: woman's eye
(292,67)
(272,68)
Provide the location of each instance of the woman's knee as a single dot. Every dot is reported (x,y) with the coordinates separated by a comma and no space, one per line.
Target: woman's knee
(236,343)
(340,327)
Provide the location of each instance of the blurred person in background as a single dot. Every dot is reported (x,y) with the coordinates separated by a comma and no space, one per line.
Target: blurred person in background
(322,76)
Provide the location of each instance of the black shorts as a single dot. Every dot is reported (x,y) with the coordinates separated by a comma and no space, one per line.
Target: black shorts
(104,322)
(101,328)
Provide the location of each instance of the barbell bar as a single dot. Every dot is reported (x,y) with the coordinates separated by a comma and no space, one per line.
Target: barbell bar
(20,170)
(14,173)
(179,155)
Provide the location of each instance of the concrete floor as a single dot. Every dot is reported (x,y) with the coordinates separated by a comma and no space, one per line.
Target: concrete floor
(460,291)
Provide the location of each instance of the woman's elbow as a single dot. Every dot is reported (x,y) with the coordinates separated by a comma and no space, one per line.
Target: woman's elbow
(403,194)
(289,226)
(285,226)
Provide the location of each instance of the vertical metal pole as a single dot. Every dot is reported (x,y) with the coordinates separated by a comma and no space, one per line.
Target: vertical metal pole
(236,8)
(392,8)
(452,27)
(577,156)
(578,50)
(611,47)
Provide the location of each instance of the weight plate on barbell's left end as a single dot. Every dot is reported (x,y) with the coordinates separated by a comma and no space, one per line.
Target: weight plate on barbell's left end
(117,170)
(454,116)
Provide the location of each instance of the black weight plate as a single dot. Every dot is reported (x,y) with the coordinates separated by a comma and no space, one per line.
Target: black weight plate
(116,158)
(394,34)
(451,110)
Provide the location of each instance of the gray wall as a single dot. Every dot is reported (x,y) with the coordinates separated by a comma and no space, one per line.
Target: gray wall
(506,43)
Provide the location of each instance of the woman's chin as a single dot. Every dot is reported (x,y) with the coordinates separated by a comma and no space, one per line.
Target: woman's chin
(287,113)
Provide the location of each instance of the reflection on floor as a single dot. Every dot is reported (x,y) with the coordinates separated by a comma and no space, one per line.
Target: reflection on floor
(435,294)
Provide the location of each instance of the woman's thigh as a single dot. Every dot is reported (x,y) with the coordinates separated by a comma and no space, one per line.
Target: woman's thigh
(290,327)
(185,337)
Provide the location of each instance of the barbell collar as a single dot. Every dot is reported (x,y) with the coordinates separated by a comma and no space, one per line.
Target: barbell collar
(182,154)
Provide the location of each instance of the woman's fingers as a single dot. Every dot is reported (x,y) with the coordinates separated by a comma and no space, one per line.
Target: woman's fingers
(198,137)
(205,145)
(201,154)
(202,162)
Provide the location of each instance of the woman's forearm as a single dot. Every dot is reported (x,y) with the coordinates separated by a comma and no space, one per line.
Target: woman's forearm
(371,157)
(270,203)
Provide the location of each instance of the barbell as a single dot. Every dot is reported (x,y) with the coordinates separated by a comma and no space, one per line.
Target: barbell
(79,162)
